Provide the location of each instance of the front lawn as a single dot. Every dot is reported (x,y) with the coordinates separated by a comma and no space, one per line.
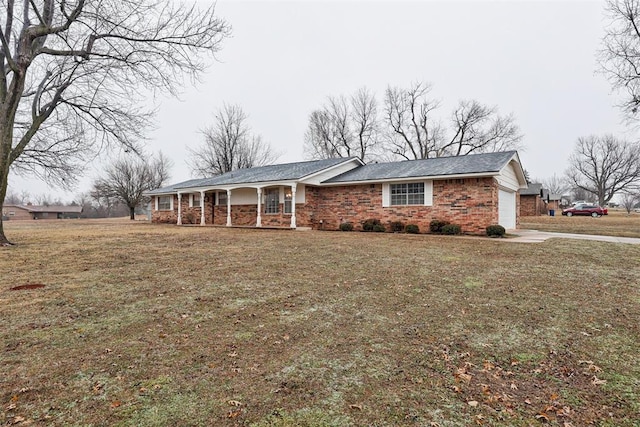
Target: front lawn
(141,324)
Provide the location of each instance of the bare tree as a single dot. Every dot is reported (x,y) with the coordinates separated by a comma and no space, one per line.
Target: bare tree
(344,128)
(126,180)
(73,75)
(409,113)
(629,201)
(229,144)
(604,166)
(416,134)
(620,56)
(556,184)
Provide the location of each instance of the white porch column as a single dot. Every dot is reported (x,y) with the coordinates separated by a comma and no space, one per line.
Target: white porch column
(293,205)
(259,219)
(228,208)
(202,208)
(179,209)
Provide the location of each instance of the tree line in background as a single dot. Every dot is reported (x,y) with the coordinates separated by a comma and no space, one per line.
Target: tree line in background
(406,127)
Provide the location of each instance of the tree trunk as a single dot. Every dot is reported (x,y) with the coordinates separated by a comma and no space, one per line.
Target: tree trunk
(3,192)
(132,213)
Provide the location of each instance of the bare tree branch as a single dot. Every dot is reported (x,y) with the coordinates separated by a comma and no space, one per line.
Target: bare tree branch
(415,134)
(344,128)
(604,166)
(127,178)
(619,57)
(229,145)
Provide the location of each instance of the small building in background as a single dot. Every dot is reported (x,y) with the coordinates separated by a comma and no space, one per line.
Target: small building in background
(24,212)
(533,200)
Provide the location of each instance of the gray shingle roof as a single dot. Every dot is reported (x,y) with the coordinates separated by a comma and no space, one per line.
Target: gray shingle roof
(532,190)
(441,166)
(174,187)
(282,172)
(50,208)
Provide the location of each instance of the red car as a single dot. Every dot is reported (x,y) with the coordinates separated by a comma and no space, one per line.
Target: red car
(585,209)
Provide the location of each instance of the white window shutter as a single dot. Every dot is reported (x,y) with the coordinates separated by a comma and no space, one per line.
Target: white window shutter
(386,196)
(157,198)
(428,193)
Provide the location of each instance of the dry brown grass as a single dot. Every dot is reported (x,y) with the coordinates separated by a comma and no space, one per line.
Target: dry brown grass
(617,223)
(142,324)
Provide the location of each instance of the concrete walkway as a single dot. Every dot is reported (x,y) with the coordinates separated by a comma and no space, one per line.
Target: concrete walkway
(535,236)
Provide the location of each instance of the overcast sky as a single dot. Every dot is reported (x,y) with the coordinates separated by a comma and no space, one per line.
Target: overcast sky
(534,59)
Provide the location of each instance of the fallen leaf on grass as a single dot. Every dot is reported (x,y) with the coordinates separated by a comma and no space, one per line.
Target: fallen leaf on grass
(598,381)
(115,404)
(543,417)
(488,365)
(234,403)
(513,386)
(472,403)
(234,414)
(356,406)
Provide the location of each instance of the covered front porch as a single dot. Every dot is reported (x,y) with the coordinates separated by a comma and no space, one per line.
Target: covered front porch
(263,206)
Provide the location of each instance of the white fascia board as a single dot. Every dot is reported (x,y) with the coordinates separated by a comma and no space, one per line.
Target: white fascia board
(413,178)
(232,187)
(309,177)
(519,170)
(164,193)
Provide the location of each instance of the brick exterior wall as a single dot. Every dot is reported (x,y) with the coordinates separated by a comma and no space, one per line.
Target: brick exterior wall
(471,203)
(18,213)
(532,205)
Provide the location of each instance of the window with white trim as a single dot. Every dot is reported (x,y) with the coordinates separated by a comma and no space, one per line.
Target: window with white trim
(164,203)
(222,198)
(271,200)
(195,200)
(410,193)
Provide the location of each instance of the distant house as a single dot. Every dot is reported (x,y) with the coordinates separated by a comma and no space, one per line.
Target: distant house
(536,200)
(532,200)
(17,212)
(473,191)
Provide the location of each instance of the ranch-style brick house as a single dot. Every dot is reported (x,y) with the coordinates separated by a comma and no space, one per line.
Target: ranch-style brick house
(473,191)
(29,211)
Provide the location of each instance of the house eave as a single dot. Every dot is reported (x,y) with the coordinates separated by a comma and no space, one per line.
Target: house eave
(412,178)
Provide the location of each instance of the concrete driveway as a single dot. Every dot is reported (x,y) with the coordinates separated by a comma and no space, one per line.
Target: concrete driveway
(535,236)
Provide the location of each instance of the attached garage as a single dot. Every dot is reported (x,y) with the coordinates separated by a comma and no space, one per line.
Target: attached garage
(507,208)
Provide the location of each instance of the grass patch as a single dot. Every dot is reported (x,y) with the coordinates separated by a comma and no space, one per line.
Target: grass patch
(142,324)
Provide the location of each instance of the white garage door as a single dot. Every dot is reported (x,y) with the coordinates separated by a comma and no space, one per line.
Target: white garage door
(507,209)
